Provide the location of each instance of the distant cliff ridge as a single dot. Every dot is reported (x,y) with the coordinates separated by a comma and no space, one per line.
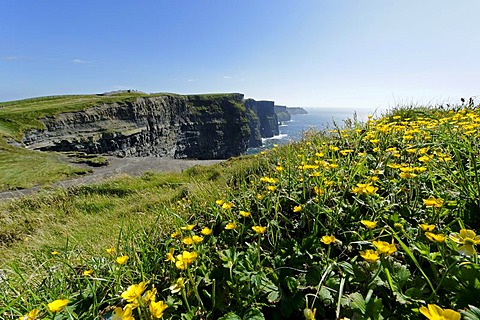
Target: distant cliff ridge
(285,113)
(192,126)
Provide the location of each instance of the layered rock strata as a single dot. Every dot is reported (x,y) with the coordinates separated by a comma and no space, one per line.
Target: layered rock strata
(192,126)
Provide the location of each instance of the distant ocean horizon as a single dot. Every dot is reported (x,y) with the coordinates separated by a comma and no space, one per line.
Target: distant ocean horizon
(317,118)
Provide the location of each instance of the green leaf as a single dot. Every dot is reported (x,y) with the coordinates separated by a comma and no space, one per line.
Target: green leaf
(325,296)
(292,284)
(374,308)
(314,275)
(472,314)
(253,314)
(357,302)
(273,296)
(230,316)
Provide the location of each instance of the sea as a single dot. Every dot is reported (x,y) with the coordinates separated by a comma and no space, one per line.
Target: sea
(317,119)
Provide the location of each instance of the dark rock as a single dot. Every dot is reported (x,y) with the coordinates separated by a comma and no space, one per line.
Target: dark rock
(266,115)
(282,113)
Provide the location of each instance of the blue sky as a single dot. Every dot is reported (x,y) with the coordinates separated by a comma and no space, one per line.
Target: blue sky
(331,54)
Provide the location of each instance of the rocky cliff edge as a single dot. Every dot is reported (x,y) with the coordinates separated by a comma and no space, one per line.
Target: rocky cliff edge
(177,126)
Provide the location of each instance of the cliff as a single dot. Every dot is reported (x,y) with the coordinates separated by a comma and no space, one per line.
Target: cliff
(196,126)
(296,110)
(265,112)
(125,124)
(282,113)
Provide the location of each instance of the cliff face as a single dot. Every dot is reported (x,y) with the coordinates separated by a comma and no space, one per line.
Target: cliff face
(282,113)
(266,115)
(201,126)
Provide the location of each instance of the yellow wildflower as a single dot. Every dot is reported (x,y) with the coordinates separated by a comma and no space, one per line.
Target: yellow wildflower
(157,308)
(176,234)
(346,152)
(364,188)
(245,214)
(31,315)
(231,225)
(197,239)
(134,291)
(149,295)
(268,180)
(369,224)
(188,227)
(122,259)
(279,168)
(394,165)
(227,206)
(271,188)
(467,238)
(88,272)
(369,255)
(259,229)
(434,312)
(185,259)
(297,208)
(169,255)
(110,250)
(206,231)
(424,158)
(58,305)
(318,191)
(328,239)
(188,241)
(435,237)
(54,253)
(433,202)
(177,286)
(407,175)
(220,202)
(385,247)
(123,314)
(426,227)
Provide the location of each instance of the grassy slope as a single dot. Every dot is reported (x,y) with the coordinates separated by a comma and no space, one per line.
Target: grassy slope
(98,212)
(414,169)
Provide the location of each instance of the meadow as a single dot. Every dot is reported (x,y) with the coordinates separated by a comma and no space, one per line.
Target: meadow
(373,220)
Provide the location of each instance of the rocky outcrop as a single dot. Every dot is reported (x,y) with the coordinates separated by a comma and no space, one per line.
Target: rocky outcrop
(296,110)
(194,126)
(266,114)
(282,113)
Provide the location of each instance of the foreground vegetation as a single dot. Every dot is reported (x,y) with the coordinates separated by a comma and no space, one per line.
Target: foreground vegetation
(368,221)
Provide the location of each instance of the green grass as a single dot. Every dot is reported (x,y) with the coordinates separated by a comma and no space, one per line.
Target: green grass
(21,168)
(367,221)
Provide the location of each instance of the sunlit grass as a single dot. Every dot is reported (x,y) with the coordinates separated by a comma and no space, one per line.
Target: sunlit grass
(21,168)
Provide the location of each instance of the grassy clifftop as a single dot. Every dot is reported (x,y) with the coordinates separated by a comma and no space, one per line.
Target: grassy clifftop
(18,116)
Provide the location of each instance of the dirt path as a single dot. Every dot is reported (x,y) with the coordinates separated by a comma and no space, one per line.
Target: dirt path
(132,166)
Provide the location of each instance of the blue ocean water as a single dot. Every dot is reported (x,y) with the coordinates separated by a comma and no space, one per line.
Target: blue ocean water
(317,119)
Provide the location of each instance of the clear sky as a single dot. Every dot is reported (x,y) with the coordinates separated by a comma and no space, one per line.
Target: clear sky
(310,53)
